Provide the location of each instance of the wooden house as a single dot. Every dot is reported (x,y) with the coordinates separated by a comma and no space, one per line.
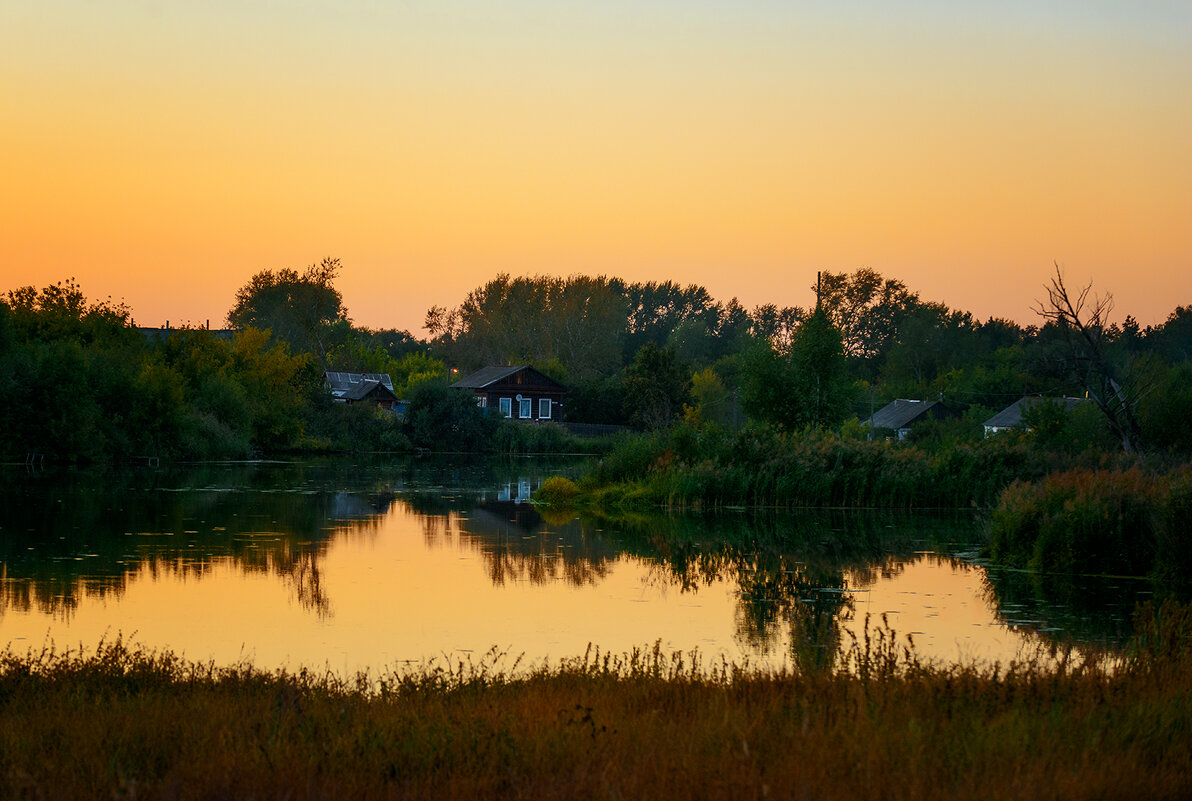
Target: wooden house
(375,388)
(901,415)
(517,392)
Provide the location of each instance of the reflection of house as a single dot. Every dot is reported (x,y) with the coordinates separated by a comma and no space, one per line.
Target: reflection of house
(1011,417)
(521,393)
(522,496)
(376,388)
(900,416)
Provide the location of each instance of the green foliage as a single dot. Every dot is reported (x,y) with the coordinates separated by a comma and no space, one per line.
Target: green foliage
(414,369)
(514,437)
(706,467)
(1129,522)
(937,435)
(299,309)
(597,400)
(868,311)
(655,387)
(444,419)
(711,400)
(580,321)
(1165,413)
(556,491)
(631,457)
(1054,427)
(808,386)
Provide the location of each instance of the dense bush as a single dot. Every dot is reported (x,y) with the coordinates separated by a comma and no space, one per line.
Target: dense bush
(1131,522)
(443,419)
(765,466)
(513,437)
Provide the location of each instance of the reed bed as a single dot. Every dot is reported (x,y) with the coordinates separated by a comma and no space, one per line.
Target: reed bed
(694,468)
(124,722)
(1132,521)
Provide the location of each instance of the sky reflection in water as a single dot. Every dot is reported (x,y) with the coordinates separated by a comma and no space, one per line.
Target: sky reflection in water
(357,566)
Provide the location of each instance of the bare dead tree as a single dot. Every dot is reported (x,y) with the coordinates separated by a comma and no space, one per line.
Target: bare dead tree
(1085,320)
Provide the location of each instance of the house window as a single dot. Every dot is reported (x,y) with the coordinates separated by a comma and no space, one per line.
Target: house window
(525,408)
(482,401)
(544,408)
(506,407)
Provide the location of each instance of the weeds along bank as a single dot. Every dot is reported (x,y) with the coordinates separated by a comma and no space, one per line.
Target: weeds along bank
(1124,522)
(703,467)
(124,722)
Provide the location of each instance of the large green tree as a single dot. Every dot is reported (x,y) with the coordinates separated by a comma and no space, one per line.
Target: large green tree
(297,308)
(807,386)
(867,310)
(656,387)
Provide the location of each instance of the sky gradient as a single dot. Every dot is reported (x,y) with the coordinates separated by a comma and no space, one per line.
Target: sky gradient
(162,152)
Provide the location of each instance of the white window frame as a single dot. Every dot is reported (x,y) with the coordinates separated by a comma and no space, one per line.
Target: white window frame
(482,401)
(525,409)
(544,404)
(506,406)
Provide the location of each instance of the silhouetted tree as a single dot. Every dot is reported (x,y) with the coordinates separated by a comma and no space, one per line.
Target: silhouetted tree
(297,308)
(1083,319)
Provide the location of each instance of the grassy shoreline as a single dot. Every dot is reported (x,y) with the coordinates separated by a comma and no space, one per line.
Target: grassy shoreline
(123,722)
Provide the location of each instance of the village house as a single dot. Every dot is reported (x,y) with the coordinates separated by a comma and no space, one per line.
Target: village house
(374,388)
(517,392)
(901,415)
(1011,417)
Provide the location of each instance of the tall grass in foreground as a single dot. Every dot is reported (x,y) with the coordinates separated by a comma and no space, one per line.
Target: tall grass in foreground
(124,722)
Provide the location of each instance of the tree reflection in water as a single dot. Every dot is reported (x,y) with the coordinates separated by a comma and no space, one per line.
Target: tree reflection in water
(70,539)
(74,535)
(795,572)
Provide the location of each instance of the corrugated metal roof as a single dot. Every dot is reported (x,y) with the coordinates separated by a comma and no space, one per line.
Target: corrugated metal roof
(900,413)
(361,390)
(341,382)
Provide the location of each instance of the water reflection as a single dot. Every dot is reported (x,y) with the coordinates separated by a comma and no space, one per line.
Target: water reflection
(76,537)
(795,585)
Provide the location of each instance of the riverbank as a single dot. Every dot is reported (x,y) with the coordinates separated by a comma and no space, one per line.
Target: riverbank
(704,468)
(125,722)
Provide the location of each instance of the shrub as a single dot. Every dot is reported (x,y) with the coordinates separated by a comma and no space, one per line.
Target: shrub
(556,491)
(1110,521)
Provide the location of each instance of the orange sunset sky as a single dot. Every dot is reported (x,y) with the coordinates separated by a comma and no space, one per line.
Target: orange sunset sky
(162,151)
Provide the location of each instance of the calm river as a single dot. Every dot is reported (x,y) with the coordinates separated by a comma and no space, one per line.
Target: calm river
(370,564)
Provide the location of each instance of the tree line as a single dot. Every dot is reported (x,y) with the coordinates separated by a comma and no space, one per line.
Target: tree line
(79,380)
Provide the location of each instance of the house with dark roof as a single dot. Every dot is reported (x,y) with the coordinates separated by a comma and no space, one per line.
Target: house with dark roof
(375,388)
(901,415)
(517,392)
(1011,417)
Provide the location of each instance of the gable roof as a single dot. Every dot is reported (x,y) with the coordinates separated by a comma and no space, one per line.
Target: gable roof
(900,413)
(341,383)
(1011,416)
(365,388)
(487,376)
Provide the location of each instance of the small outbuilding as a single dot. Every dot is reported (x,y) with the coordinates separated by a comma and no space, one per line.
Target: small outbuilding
(1011,417)
(517,392)
(375,388)
(901,415)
